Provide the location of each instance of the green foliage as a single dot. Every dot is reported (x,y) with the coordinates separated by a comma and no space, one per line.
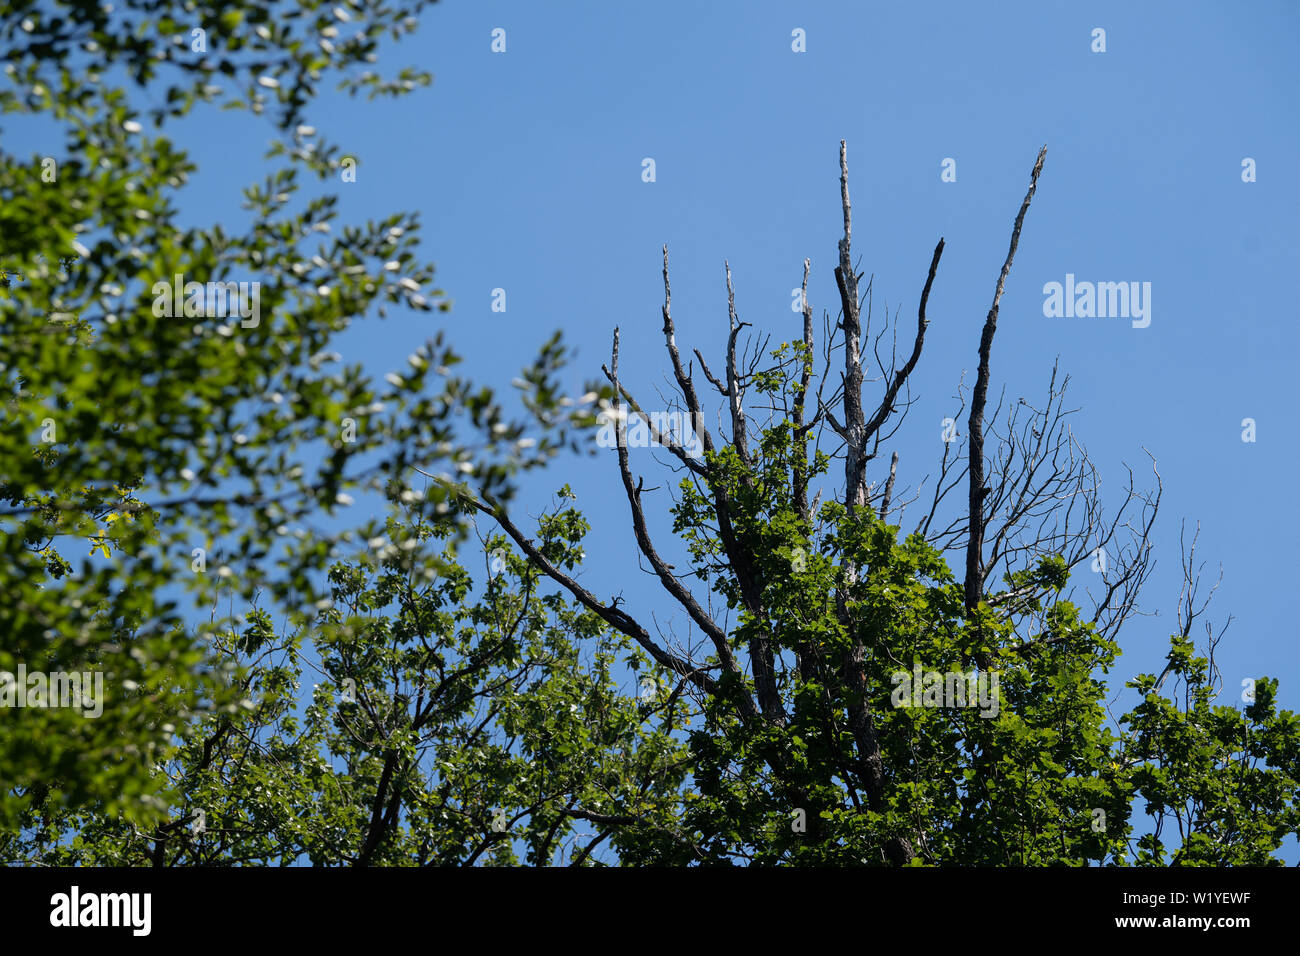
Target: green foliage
(375,700)
(129,439)
(451,723)
(1045,779)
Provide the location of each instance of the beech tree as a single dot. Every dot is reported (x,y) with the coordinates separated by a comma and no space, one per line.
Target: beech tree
(157,456)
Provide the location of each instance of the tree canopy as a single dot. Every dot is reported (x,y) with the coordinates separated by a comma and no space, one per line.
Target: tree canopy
(859,679)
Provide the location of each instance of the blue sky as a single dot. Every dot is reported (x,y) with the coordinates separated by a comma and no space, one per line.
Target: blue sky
(526,167)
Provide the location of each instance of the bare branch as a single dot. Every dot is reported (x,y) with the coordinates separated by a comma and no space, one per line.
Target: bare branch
(889,486)
(666,577)
(611,614)
(887,403)
(978,490)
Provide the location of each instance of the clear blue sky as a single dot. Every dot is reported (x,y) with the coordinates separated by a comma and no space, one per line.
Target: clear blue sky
(526,167)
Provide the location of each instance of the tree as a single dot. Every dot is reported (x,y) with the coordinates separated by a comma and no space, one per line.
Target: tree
(440,720)
(837,720)
(197,432)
